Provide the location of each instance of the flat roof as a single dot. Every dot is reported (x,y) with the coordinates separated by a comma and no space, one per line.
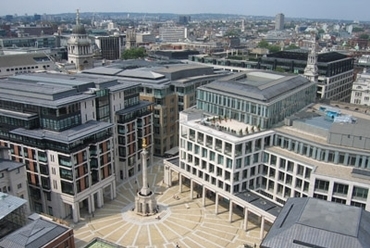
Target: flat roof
(23,59)
(320,168)
(68,136)
(260,202)
(142,104)
(258,85)
(8,204)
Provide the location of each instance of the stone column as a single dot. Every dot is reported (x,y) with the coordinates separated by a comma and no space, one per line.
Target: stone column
(180,183)
(216,203)
(204,196)
(89,204)
(92,202)
(169,183)
(76,212)
(230,210)
(246,219)
(191,189)
(100,198)
(114,189)
(262,227)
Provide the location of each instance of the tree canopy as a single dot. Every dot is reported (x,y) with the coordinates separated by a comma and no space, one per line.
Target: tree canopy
(134,53)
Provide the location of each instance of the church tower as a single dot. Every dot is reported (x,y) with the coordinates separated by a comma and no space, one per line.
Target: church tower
(311,71)
(79,47)
(130,38)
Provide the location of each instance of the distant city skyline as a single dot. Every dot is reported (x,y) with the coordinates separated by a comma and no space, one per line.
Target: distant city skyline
(315,9)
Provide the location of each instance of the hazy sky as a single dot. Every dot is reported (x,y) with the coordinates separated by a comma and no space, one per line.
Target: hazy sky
(332,9)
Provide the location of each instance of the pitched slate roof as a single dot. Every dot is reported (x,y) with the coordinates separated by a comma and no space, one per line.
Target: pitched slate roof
(36,234)
(310,222)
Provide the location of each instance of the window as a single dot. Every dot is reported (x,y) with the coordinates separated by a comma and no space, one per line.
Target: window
(340,189)
(359,193)
(321,185)
(1,174)
(19,185)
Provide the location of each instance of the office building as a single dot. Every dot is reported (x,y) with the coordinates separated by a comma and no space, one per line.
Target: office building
(246,137)
(335,71)
(30,41)
(24,63)
(360,89)
(65,129)
(169,87)
(172,33)
(41,233)
(309,222)
(279,22)
(183,19)
(110,47)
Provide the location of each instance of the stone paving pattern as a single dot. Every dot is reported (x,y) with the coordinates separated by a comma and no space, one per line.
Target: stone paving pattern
(181,222)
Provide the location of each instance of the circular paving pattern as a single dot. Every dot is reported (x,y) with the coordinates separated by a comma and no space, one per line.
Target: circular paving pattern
(181,221)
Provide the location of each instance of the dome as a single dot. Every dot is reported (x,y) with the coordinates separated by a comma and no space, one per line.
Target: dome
(78,29)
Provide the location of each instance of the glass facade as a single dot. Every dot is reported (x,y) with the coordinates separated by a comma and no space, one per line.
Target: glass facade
(252,112)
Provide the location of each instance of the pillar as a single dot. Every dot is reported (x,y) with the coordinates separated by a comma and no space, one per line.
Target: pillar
(230,210)
(262,227)
(114,193)
(100,198)
(92,202)
(180,183)
(169,180)
(216,203)
(89,204)
(204,196)
(246,219)
(76,212)
(191,189)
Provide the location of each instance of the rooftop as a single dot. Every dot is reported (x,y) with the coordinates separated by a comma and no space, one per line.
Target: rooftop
(8,204)
(36,234)
(68,136)
(313,222)
(302,54)
(9,165)
(23,59)
(258,85)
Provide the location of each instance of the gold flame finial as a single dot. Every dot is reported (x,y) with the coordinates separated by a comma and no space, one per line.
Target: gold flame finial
(144,143)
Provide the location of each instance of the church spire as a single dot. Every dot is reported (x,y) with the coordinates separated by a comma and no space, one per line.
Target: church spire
(311,71)
(78,17)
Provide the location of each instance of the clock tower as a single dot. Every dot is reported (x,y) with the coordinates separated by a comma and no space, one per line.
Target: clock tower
(311,71)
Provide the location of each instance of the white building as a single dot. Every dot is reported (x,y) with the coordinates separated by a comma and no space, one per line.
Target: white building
(361,89)
(321,151)
(79,47)
(12,176)
(172,34)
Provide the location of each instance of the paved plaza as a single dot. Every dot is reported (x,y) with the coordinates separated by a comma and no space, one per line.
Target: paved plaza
(180,221)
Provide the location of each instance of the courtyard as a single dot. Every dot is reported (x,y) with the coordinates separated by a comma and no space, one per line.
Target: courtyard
(179,222)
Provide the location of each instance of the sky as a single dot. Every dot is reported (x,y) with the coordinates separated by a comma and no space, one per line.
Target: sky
(329,9)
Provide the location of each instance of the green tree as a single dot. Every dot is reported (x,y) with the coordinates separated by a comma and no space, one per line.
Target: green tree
(291,47)
(263,44)
(134,53)
(273,49)
(364,36)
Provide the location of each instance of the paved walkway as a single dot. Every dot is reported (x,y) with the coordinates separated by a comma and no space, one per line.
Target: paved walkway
(182,221)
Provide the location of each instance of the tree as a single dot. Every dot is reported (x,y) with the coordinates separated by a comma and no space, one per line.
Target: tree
(364,36)
(263,44)
(274,49)
(134,53)
(291,47)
